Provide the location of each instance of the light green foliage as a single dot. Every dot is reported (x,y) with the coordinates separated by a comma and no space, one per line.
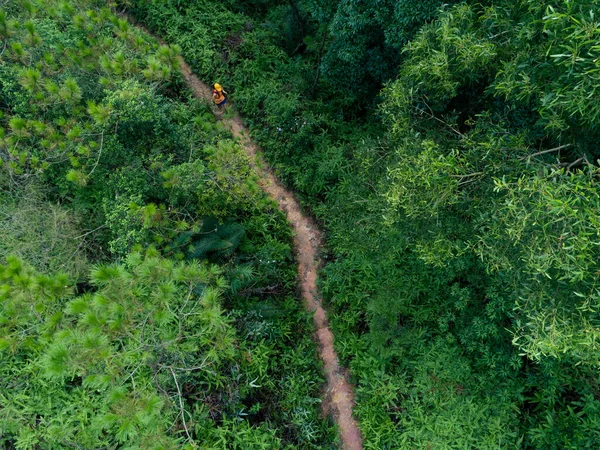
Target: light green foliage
(433,406)
(50,84)
(108,367)
(95,113)
(442,222)
(558,74)
(224,187)
(126,222)
(539,227)
(415,190)
(527,213)
(548,223)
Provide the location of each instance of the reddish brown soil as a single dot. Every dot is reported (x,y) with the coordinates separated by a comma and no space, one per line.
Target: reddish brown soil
(307,242)
(339,396)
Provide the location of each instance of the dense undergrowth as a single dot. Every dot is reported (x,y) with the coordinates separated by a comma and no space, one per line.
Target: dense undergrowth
(147,284)
(461,212)
(150,298)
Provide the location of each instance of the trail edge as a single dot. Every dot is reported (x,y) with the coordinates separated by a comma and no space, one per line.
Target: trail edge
(307,242)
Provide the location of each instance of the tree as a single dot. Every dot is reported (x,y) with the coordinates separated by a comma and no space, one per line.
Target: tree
(365,41)
(113,366)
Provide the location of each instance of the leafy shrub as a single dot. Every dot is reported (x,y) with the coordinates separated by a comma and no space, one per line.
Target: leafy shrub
(440,218)
(95,112)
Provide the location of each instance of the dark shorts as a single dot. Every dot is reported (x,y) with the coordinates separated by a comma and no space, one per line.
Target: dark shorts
(222,103)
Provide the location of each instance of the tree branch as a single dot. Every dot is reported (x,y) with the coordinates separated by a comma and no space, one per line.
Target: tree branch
(467,175)
(574,163)
(187,432)
(89,232)
(316,81)
(99,154)
(439,120)
(560,147)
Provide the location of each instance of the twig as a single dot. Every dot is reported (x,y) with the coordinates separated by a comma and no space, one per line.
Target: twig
(178,319)
(131,376)
(297,48)
(467,175)
(99,154)
(89,232)
(318,73)
(462,183)
(574,163)
(499,34)
(186,369)
(439,120)
(560,147)
(181,405)
(186,300)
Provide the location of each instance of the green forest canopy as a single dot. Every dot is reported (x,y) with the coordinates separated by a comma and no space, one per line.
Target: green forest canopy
(147,285)
(449,150)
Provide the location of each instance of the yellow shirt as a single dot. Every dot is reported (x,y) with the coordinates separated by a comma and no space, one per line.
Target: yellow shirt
(218,97)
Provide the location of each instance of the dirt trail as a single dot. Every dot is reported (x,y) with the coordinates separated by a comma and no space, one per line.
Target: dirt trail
(307,242)
(339,396)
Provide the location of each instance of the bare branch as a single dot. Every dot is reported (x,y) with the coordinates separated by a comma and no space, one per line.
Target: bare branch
(189,294)
(99,154)
(439,120)
(467,175)
(560,147)
(187,369)
(575,163)
(187,432)
(91,231)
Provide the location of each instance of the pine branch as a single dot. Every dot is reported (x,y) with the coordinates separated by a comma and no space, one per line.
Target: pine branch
(99,154)
(187,432)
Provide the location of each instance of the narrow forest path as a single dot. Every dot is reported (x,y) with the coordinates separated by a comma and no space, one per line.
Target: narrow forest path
(339,396)
(307,242)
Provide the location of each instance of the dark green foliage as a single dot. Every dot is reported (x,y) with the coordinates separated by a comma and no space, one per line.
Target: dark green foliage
(365,40)
(95,117)
(212,241)
(462,235)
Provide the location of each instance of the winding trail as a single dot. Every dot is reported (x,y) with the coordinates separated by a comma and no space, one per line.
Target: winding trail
(307,242)
(339,396)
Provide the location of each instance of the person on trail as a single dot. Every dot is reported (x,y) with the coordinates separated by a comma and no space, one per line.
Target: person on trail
(219,96)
